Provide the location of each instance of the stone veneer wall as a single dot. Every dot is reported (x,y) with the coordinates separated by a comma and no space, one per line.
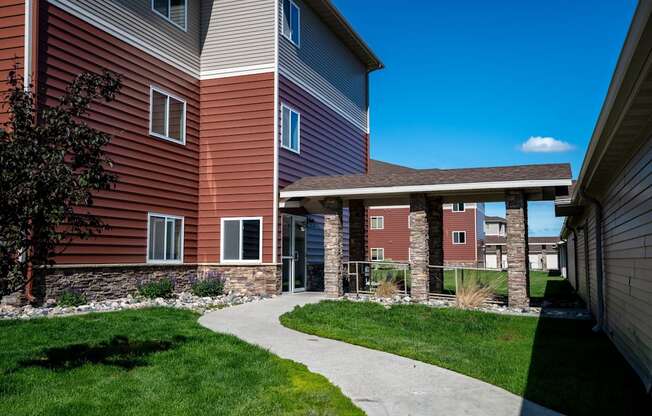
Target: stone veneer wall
(103,282)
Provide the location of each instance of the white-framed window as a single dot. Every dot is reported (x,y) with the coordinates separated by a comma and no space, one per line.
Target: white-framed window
(377,254)
(292,22)
(377,222)
(290,129)
(174,11)
(458,207)
(459,237)
(164,238)
(241,240)
(167,116)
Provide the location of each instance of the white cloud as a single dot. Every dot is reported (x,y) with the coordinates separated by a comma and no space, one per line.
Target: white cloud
(538,144)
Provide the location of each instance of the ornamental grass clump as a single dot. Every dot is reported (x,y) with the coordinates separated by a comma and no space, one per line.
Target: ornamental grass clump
(163,288)
(386,289)
(474,294)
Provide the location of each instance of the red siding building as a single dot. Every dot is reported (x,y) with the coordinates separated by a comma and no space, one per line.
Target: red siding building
(221,107)
(463,234)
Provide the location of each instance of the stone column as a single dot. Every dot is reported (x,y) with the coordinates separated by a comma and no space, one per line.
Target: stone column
(357,237)
(499,256)
(419,244)
(436,243)
(333,242)
(518,273)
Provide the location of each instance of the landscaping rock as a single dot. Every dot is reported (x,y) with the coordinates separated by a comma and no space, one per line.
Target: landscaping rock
(562,313)
(182,301)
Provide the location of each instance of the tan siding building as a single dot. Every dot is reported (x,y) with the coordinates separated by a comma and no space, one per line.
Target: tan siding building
(608,228)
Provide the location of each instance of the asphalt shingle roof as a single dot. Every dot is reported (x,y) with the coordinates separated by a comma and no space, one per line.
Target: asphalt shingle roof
(388,175)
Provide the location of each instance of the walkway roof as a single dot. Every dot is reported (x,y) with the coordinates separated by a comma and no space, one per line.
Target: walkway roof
(542,182)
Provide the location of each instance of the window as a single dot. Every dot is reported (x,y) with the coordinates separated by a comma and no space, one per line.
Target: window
(459,237)
(292,21)
(377,223)
(167,115)
(290,126)
(173,10)
(458,207)
(164,238)
(242,240)
(377,254)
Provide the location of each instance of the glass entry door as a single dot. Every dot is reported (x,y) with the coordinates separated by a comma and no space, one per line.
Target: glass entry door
(294,253)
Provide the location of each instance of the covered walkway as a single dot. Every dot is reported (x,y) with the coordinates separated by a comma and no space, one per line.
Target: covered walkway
(425,191)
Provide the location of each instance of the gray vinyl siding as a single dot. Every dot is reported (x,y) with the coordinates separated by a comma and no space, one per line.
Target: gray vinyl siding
(325,65)
(146,28)
(237,33)
(628,260)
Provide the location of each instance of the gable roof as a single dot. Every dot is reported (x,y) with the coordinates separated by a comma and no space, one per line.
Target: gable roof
(377,167)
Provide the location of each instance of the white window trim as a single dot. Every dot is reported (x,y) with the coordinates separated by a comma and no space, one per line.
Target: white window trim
(185,15)
(167,115)
(381,250)
(458,210)
(260,250)
(453,237)
(165,238)
(292,3)
(377,217)
(298,149)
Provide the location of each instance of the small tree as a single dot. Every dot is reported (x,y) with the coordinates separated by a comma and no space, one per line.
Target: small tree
(51,163)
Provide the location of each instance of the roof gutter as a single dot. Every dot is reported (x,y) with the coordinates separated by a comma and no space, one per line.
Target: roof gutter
(388,190)
(598,259)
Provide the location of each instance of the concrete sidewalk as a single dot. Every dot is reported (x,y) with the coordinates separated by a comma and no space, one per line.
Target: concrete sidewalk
(378,382)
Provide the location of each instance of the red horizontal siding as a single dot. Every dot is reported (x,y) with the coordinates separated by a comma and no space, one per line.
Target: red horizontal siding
(236,158)
(459,221)
(154,175)
(395,237)
(330,144)
(12,45)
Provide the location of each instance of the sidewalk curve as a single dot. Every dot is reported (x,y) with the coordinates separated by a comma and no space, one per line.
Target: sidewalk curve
(379,383)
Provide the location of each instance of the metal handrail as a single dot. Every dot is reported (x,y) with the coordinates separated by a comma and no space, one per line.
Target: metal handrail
(403,267)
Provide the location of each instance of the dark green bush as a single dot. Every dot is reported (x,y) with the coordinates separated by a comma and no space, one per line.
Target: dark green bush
(70,298)
(203,288)
(163,288)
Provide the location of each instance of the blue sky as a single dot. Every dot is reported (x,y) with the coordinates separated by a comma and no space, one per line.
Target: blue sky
(468,83)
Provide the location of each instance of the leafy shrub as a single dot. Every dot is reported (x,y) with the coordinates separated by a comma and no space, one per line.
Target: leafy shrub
(70,298)
(208,288)
(163,288)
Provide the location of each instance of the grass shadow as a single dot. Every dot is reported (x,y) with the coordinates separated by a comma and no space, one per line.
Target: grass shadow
(577,371)
(119,351)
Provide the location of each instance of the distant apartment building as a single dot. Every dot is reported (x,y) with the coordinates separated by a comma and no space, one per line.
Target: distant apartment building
(543,252)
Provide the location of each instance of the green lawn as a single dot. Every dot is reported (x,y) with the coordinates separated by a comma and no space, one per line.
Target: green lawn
(150,362)
(497,279)
(561,364)
(538,280)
